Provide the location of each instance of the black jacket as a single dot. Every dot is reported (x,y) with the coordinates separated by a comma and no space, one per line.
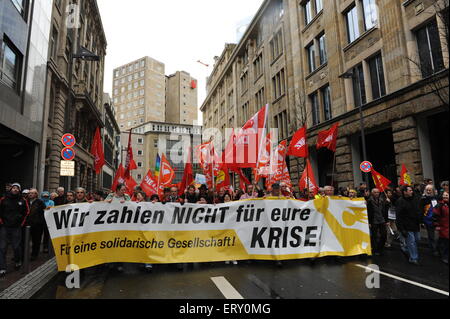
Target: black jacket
(409,216)
(13,210)
(377,208)
(37,210)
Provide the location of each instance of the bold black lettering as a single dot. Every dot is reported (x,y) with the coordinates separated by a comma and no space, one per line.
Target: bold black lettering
(99,220)
(295,234)
(113,217)
(62,220)
(274,237)
(310,236)
(257,237)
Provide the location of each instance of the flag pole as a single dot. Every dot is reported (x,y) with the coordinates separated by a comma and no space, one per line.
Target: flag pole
(333,169)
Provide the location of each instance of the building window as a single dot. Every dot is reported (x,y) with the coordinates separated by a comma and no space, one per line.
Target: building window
(359,91)
(314,99)
(430,51)
(11,63)
(319,6)
(278,85)
(281,123)
(307,9)
(276,45)
(20,6)
(139,164)
(244,82)
(352,25)
(258,65)
(260,98)
(54,43)
(377,77)
(311,57)
(322,49)
(326,98)
(245,111)
(370,14)
(140,141)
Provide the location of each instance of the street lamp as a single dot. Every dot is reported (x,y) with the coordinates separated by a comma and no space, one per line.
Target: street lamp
(86,55)
(349,75)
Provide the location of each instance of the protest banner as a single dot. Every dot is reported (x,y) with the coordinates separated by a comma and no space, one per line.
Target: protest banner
(265,229)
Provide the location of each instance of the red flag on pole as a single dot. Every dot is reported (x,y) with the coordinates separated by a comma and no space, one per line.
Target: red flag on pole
(188,177)
(166,175)
(380,181)
(246,144)
(298,146)
(328,138)
(119,178)
(97,151)
(308,181)
(130,164)
(149,185)
(405,178)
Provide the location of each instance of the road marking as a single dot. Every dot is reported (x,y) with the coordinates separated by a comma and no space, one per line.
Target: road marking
(405,280)
(226,288)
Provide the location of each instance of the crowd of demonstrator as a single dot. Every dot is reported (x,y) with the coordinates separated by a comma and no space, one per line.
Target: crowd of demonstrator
(396,214)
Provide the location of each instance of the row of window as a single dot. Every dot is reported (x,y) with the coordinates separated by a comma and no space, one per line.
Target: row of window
(130,78)
(130,68)
(130,87)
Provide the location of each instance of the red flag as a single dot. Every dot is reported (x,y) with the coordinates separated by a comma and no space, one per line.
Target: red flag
(149,185)
(223,178)
(263,166)
(188,177)
(119,178)
(248,141)
(97,151)
(380,181)
(166,175)
(298,146)
(405,178)
(308,180)
(130,184)
(328,138)
(130,164)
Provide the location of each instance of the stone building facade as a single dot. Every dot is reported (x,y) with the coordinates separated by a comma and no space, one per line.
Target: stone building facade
(77,109)
(320,62)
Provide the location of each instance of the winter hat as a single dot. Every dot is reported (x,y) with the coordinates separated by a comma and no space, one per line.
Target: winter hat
(45,194)
(25,192)
(17,185)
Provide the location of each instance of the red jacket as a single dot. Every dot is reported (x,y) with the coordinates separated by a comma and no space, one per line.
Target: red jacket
(441,212)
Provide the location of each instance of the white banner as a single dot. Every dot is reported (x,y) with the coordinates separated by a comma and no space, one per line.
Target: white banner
(268,229)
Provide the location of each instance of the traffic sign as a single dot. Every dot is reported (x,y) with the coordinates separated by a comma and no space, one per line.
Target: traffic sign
(67,168)
(366,166)
(68,154)
(68,140)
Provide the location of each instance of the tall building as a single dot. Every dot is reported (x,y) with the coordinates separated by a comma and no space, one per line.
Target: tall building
(74,92)
(111,143)
(139,90)
(24,39)
(171,139)
(181,99)
(321,62)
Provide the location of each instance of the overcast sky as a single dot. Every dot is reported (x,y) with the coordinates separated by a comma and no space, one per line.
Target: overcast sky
(175,32)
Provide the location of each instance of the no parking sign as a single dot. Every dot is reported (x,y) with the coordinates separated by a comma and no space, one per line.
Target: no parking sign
(366,166)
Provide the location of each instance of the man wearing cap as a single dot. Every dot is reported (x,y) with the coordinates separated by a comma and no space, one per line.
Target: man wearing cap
(36,220)
(13,212)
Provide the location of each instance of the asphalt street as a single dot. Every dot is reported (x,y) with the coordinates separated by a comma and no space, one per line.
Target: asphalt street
(326,278)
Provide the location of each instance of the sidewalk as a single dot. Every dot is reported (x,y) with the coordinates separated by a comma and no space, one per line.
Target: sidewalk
(12,275)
